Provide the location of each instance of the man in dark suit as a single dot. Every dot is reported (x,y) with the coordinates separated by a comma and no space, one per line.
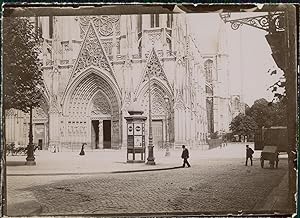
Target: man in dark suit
(185,156)
(249,153)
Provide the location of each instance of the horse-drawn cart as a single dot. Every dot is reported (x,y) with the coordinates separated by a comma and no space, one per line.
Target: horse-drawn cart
(18,150)
(269,153)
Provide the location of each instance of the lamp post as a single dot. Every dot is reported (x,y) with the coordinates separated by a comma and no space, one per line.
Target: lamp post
(166,98)
(150,159)
(30,160)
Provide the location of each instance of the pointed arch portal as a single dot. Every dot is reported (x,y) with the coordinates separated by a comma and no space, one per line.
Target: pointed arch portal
(161,111)
(92,100)
(92,107)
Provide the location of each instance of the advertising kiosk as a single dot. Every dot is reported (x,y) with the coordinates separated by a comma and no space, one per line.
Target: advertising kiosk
(135,136)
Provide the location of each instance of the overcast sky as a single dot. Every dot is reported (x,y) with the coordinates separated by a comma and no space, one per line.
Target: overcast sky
(249,53)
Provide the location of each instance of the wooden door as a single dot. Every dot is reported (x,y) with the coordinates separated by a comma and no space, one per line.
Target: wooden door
(157,132)
(107,134)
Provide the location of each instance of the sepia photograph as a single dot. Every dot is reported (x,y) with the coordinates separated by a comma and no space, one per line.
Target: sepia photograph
(149,110)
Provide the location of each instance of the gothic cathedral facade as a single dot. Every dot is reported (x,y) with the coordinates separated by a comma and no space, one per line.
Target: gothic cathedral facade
(96,67)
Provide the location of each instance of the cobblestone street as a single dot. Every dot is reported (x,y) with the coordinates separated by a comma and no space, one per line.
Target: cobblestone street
(210,186)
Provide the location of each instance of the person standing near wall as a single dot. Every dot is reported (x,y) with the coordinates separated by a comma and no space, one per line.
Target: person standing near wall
(185,156)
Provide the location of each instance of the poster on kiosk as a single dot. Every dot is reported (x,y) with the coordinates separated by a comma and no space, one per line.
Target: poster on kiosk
(135,142)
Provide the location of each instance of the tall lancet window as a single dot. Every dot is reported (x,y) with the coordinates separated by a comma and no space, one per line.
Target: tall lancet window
(151,20)
(154,20)
(169,20)
(51,26)
(40,30)
(38,27)
(139,23)
(208,65)
(140,30)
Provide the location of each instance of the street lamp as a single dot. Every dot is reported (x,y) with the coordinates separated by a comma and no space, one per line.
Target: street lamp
(30,160)
(166,98)
(150,159)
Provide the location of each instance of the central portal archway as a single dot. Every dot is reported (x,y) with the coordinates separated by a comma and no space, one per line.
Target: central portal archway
(101,113)
(93,114)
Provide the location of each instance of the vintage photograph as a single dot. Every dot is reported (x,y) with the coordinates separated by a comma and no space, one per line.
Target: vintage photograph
(134,110)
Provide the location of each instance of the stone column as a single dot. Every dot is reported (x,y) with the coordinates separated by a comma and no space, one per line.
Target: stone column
(182,128)
(54,127)
(215,115)
(164,42)
(163,130)
(100,145)
(114,43)
(181,125)
(176,125)
(45,136)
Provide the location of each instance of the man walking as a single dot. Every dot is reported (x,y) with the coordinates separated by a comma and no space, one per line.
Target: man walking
(185,156)
(249,153)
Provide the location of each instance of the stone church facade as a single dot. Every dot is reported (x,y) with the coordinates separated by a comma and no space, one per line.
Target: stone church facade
(96,67)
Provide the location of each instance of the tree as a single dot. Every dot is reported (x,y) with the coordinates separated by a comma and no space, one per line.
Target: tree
(22,74)
(267,114)
(243,125)
(261,112)
(279,114)
(22,78)
(247,109)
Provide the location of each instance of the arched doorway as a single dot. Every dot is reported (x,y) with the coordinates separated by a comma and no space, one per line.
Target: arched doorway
(162,112)
(101,114)
(92,109)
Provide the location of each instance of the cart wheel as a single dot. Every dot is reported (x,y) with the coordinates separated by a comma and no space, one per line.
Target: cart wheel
(262,163)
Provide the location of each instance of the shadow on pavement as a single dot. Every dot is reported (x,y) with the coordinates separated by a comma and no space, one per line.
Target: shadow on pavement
(15,163)
(145,170)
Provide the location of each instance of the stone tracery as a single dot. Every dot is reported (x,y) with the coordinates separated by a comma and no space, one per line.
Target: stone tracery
(105,24)
(100,105)
(91,54)
(158,106)
(154,68)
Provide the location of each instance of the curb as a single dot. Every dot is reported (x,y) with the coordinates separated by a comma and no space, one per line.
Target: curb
(93,173)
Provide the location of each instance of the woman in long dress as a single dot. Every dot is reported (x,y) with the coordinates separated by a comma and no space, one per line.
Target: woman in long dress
(82,149)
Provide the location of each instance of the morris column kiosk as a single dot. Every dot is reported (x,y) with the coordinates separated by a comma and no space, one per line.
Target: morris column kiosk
(135,135)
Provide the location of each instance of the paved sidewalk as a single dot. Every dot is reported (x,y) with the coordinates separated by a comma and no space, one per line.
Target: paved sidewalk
(112,161)
(93,162)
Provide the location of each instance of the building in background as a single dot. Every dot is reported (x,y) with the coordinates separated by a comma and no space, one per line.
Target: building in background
(95,67)
(237,106)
